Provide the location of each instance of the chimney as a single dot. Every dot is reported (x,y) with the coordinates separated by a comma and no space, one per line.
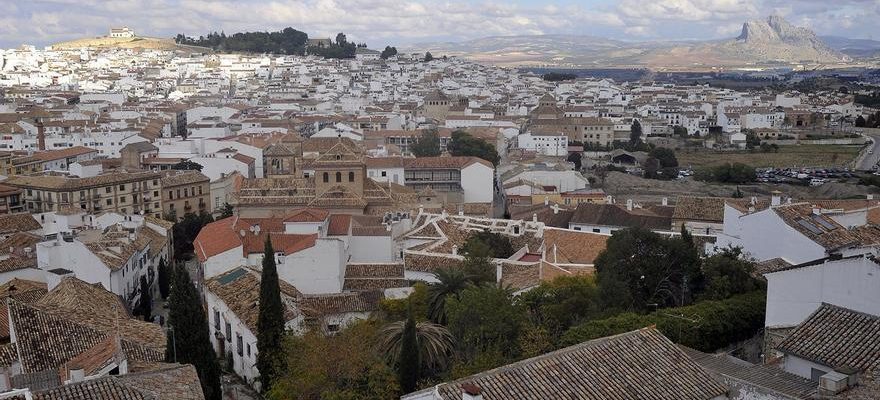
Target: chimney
(534,217)
(455,249)
(776,198)
(629,204)
(665,201)
(41,135)
(870,197)
(754,200)
(609,199)
(555,209)
(546,200)
(817,210)
(470,391)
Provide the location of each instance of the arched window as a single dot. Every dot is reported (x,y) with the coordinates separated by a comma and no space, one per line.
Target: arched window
(339,177)
(326,177)
(351,176)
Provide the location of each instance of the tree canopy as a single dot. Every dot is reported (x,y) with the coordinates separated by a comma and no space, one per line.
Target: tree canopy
(388,52)
(558,77)
(286,41)
(270,320)
(188,341)
(427,144)
(463,144)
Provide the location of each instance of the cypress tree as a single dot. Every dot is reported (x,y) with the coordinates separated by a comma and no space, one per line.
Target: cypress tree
(270,321)
(163,278)
(145,307)
(408,364)
(188,341)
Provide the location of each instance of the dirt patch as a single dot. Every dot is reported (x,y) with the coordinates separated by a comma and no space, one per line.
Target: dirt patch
(621,186)
(787,157)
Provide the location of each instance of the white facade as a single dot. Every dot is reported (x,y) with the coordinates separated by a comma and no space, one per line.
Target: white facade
(794,294)
(477,183)
(548,145)
(763,235)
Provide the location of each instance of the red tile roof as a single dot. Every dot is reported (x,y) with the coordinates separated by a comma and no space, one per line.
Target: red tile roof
(215,238)
(339,225)
(308,215)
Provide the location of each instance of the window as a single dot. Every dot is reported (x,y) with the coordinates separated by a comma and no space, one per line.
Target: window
(228,332)
(122,199)
(384,173)
(108,189)
(217,320)
(239,344)
(577,228)
(326,177)
(185,193)
(178,193)
(249,349)
(332,328)
(595,230)
(339,177)
(200,190)
(109,202)
(351,176)
(121,187)
(170,195)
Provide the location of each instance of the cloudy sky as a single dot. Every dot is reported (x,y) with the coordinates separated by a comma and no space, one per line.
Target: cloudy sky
(401,22)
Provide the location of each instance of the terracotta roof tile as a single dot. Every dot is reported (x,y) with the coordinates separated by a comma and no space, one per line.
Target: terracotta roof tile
(641,364)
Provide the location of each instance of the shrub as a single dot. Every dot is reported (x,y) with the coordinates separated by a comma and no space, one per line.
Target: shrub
(705,326)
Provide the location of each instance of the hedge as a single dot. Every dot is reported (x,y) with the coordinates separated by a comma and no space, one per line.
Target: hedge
(705,326)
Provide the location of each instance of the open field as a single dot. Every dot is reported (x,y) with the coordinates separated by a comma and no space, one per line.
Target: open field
(788,156)
(624,186)
(127,43)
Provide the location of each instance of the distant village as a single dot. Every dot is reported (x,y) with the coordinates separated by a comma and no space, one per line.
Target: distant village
(148,196)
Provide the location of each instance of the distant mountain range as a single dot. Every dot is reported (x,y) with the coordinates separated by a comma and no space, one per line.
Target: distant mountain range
(771,41)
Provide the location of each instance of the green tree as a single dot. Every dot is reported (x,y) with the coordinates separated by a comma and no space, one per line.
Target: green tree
(408,356)
(185,231)
(416,350)
(270,321)
(575,158)
(187,165)
(639,269)
(428,57)
(635,135)
(752,140)
(679,130)
(163,278)
(341,39)
(728,273)
(498,245)
(706,326)
(451,281)
(860,122)
(665,156)
(145,304)
(477,265)
(427,145)
(388,52)
(227,212)
(558,304)
(483,319)
(347,365)
(188,341)
(463,144)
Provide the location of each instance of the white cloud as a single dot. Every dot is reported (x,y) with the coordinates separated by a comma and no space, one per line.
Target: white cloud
(380,22)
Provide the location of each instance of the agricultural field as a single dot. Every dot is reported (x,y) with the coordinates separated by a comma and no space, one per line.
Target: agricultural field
(788,157)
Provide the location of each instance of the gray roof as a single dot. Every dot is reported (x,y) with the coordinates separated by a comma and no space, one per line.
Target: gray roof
(766,377)
(836,337)
(641,364)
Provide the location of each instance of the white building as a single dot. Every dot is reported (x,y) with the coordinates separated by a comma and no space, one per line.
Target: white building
(548,144)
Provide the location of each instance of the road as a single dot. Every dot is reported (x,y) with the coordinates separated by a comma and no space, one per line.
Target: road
(870,157)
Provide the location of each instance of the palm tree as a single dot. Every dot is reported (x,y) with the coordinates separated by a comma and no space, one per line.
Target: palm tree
(434,342)
(451,282)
